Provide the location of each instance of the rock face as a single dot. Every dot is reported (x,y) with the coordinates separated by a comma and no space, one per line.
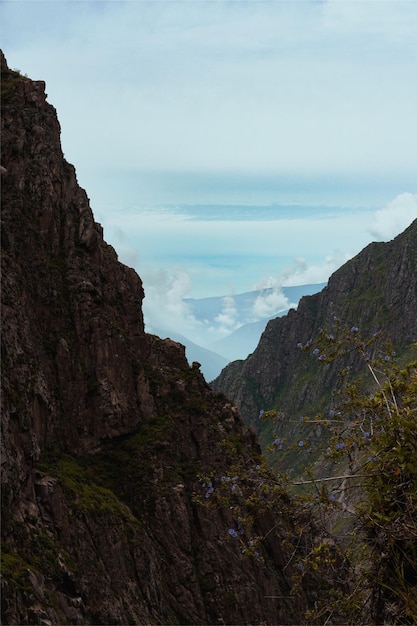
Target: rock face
(376,292)
(105,429)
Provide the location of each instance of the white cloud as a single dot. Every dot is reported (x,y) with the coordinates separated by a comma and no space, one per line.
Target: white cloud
(395,217)
(227,318)
(165,310)
(271,299)
(270,303)
(164,306)
(303,272)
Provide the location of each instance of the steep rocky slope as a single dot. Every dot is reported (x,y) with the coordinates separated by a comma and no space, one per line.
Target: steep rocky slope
(374,292)
(105,429)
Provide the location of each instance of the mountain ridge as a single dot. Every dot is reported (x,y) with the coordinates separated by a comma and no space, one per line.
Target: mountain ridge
(375,291)
(211,362)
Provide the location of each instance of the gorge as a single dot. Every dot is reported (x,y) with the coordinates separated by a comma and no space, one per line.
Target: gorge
(132,491)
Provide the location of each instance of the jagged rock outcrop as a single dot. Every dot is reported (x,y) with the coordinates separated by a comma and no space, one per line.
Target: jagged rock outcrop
(105,429)
(376,292)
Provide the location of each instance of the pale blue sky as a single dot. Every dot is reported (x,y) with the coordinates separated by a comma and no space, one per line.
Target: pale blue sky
(165,103)
(278,87)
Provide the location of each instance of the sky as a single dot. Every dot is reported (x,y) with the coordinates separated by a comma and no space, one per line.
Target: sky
(230,145)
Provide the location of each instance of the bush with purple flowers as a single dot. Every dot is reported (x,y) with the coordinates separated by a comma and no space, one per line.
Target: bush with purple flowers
(368,493)
(372,477)
(373,446)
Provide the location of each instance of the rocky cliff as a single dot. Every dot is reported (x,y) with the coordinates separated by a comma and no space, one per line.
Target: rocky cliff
(375,292)
(105,429)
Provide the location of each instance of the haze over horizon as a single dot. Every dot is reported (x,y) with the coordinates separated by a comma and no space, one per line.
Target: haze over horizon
(230,145)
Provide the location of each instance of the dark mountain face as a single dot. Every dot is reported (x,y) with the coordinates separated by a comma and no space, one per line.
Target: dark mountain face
(105,429)
(375,292)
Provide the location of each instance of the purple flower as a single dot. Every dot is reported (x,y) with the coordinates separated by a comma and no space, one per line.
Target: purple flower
(340,446)
(354,329)
(300,444)
(278,443)
(233,533)
(261,412)
(316,351)
(387,358)
(331,413)
(366,436)
(209,490)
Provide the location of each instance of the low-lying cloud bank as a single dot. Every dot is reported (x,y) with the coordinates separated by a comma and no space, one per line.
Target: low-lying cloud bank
(165,305)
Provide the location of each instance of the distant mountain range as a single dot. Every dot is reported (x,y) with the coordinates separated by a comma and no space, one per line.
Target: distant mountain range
(210,308)
(241,342)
